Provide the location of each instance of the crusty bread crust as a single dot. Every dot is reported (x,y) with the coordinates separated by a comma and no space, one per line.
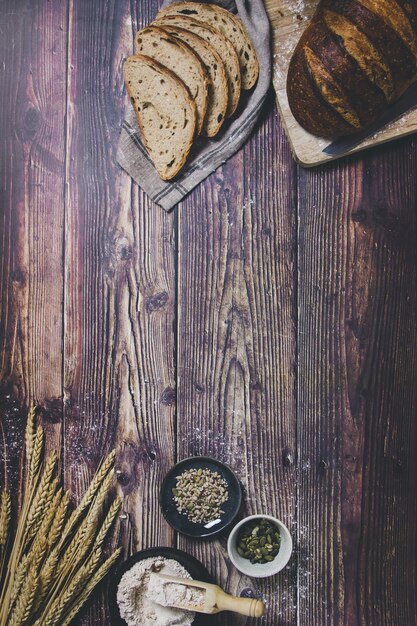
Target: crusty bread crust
(177,56)
(230,26)
(177,92)
(353,60)
(220,43)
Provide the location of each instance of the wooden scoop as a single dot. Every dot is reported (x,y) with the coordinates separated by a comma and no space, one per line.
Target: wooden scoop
(215,599)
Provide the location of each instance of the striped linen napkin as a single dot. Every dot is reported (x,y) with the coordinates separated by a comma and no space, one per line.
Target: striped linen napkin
(207,154)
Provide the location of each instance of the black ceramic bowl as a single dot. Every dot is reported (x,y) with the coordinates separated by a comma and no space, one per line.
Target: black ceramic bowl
(179,521)
(196,570)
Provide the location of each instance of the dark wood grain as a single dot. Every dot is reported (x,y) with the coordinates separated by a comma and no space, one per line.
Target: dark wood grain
(357,393)
(269,321)
(32,167)
(236,343)
(120,294)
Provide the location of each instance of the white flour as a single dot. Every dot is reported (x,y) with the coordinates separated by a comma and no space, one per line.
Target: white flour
(135,604)
(171,594)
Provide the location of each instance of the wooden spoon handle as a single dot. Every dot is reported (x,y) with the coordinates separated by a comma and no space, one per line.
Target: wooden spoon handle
(244,606)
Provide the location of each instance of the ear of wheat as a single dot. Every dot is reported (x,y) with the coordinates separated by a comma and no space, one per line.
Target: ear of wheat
(55,559)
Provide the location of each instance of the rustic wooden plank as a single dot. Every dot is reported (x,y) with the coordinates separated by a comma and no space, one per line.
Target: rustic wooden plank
(357,393)
(236,342)
(32,112)
(119,290)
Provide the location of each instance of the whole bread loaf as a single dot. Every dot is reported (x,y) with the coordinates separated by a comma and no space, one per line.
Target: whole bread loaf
(354,59)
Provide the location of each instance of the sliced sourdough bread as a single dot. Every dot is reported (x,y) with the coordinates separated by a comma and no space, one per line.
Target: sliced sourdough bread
(165,112)
(218,98)
(178,57)
(220,43)
(230,26)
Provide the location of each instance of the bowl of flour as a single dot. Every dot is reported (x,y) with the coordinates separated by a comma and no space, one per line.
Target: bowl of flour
(131,599)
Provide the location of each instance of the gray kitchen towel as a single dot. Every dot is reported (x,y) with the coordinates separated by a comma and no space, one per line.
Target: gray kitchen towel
(207,154)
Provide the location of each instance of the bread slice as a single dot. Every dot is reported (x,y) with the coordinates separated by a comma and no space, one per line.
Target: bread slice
(178,57)
(165,111)
(230,26)
(220,43)
(218,99)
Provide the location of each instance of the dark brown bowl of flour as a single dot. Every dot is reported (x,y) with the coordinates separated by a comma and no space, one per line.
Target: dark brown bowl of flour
(192,566)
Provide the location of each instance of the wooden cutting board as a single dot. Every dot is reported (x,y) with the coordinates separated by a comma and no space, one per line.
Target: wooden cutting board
(289,18)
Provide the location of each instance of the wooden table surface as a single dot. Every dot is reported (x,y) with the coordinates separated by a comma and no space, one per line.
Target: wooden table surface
(268,321)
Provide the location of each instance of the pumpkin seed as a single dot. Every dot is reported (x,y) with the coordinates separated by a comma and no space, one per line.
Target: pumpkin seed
(259,541)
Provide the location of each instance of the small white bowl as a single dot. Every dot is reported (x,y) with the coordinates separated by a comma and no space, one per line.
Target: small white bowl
(261,570)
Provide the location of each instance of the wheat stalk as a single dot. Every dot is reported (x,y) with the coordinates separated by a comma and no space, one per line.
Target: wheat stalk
(97,481)
(59,520)
(89,528)
(36,455)
(108,522)
(98,576)
(41,496)
(82,540)
(54,489)
(41,527)
(84,536)
(24,603)
(85,573)
(52,508)
(19,540)
(30,434)
(20,575)
(46,577)
(5,514)
(75,552)
(53,565)
(98,503)
(38,509)
(37,553)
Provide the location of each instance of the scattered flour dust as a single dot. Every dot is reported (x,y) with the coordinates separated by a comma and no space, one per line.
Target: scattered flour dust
(136,605)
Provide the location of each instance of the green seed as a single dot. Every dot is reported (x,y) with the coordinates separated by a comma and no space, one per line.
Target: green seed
(259,541)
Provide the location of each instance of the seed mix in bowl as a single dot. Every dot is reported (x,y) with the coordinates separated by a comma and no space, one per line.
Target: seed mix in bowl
(199,494)
(259,541)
